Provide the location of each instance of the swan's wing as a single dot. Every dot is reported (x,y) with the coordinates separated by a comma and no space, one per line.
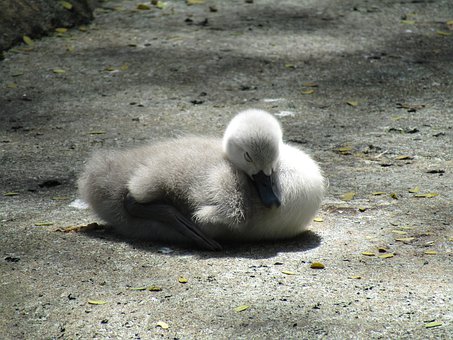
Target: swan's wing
(169,215)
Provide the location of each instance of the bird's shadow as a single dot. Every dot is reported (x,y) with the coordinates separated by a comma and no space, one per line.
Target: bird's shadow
(253,250)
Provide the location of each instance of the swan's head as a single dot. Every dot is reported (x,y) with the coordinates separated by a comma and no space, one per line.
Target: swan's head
(252,143)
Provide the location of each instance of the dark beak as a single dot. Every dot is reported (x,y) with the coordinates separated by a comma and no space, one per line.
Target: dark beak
(267,190)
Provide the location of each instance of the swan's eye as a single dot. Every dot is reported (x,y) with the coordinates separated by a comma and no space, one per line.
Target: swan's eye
(248,158)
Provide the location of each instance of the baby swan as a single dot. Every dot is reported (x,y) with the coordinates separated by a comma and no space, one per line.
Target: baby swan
(250,186)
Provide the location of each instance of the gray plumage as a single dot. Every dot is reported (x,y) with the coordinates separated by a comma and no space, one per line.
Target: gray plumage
(203,189)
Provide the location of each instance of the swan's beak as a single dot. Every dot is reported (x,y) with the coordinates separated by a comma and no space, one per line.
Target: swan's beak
(267,190)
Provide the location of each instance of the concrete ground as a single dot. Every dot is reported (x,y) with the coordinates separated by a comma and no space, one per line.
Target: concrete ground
(366,87)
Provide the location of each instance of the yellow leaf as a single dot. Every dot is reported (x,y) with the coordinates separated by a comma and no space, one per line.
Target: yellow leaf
(162,325)
(318,219)
(287,272)
(143,7)
(428,195)
(386,256)
(28,40)
(194,2)
(11,85)
(138,288)
(124,67)
(310,84)
(43,224)
(182,279)
(291,66)
(67,5)
(405,239)
(433,324)
(399,232)
(352,103)
(431,252)
(61,30)
(355,277)
(160,4)
(368,253)
(414,190)
(58,71)
(394,195)
(317,265)
(60,198)
(348,196)
(97,302)
(344,150)
(154,288)
(378,193)
(308,91)
(404,157)
(10,193)
(241,308)
(362,209)
(443,34)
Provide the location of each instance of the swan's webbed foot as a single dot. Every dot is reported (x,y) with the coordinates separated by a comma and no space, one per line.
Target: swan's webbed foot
(168,214)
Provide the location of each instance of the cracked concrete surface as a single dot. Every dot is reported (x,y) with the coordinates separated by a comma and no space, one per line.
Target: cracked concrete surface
(141,75)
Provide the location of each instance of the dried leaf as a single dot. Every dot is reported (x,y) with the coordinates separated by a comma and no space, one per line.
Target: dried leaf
(317,265)
(287,272)
(431,252)
(43,224)
(97,132)
(241,308)
(352,103)
(414,190)
(182,279)
(318,219)
(78,228)
(355,277)
(162,325)
(368,253)
(308,91)
(67,5)
(405,239)
(362,209)
(97,302)
(433,324)
(28,40)
(138,288)
(154,288)
(386,256)
(428,195)
(348,196)
(143,7)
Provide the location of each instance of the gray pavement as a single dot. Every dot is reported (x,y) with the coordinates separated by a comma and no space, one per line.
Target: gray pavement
(365,87)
